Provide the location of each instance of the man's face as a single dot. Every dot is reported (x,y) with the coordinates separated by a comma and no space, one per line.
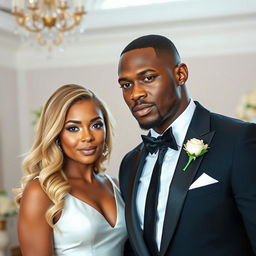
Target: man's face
(150,88)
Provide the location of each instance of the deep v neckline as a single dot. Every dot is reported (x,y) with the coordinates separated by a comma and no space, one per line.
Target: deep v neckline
(95,210)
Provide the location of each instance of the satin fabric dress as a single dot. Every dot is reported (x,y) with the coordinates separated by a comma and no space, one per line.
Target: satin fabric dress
(83,231)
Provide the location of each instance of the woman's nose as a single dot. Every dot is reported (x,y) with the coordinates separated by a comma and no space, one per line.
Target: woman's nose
(87,136)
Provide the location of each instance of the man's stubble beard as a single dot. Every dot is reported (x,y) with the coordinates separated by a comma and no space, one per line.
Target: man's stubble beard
(152,124)
(158,122)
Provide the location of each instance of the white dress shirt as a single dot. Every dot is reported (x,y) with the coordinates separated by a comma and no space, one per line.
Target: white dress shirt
(179,129)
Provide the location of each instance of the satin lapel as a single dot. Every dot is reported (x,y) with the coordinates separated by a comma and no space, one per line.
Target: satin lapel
(183,179)
(132,220)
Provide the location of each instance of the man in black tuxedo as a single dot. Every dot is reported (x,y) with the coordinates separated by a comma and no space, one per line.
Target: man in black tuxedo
(207,208)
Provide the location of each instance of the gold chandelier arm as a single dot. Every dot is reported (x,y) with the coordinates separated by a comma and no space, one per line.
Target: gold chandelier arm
(23,20)
(37,22)
(64,17)
(43,42)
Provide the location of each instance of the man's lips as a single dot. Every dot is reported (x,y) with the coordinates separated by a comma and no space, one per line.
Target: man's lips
(87,151)
(142,109)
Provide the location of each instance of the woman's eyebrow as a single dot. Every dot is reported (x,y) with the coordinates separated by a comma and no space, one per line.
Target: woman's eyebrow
(73,121)
(79,122)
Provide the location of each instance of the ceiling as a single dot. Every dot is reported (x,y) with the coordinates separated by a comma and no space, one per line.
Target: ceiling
(200,27)
(6,5)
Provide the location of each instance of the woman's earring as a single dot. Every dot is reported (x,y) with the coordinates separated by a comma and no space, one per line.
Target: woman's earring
(105,152)
(57,141)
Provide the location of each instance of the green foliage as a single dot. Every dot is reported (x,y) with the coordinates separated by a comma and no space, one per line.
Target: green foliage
(37,114)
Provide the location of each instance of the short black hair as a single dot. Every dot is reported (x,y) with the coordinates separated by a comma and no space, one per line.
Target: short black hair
(157,42)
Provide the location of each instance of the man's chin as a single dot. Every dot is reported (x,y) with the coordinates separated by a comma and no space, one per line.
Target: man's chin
(149,125)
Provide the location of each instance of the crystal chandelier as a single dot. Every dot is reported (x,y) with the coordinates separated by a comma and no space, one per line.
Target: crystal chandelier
(48,19)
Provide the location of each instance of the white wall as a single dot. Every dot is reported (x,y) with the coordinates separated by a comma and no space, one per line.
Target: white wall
(220,81)
(10,171)
(9,129)
(102,79)
(216,81)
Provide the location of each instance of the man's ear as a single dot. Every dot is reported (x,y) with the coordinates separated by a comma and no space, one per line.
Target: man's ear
(181,73)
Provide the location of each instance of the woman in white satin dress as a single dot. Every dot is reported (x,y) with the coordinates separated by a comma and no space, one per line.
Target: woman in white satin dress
(68,206)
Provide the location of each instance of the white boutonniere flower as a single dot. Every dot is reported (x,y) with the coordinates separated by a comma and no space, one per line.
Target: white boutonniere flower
(194,148)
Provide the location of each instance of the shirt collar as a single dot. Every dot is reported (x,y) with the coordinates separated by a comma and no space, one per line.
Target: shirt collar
(181,124)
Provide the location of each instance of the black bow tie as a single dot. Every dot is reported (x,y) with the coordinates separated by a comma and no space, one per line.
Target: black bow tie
(166,140)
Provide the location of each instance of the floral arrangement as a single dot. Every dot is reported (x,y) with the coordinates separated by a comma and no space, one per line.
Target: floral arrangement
(7,206)
(247,108)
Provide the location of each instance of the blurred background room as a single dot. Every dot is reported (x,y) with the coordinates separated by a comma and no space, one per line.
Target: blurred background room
(216,39)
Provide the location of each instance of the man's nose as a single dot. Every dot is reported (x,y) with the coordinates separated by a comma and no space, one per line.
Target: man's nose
(138,92)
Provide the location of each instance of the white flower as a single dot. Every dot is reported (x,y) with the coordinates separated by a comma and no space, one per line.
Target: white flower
(251,99)
(7,206)
(247,108)
(194,148)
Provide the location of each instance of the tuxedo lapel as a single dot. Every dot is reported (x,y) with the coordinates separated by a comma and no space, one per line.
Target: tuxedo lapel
(199,128)
(132,220)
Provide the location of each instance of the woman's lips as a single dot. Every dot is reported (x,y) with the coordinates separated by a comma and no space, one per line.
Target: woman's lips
(87,151)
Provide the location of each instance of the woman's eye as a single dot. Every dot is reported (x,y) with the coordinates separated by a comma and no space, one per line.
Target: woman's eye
(72,129)
(126,85)
(97,125)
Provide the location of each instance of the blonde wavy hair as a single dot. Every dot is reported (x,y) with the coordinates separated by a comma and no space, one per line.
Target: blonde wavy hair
(45,159)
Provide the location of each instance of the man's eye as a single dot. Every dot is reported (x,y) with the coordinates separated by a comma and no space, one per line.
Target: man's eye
(97,125)
(126,85)
(149,78)
(72,129)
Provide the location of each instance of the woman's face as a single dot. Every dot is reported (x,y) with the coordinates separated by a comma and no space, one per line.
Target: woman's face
(83,135)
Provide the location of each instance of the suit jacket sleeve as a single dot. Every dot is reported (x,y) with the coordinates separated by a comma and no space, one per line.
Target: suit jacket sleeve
(244,180)
(123,177)
(123,181)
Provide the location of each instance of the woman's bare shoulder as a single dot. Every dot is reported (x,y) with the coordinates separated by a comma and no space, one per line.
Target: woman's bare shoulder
(34,198)
(35,234)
